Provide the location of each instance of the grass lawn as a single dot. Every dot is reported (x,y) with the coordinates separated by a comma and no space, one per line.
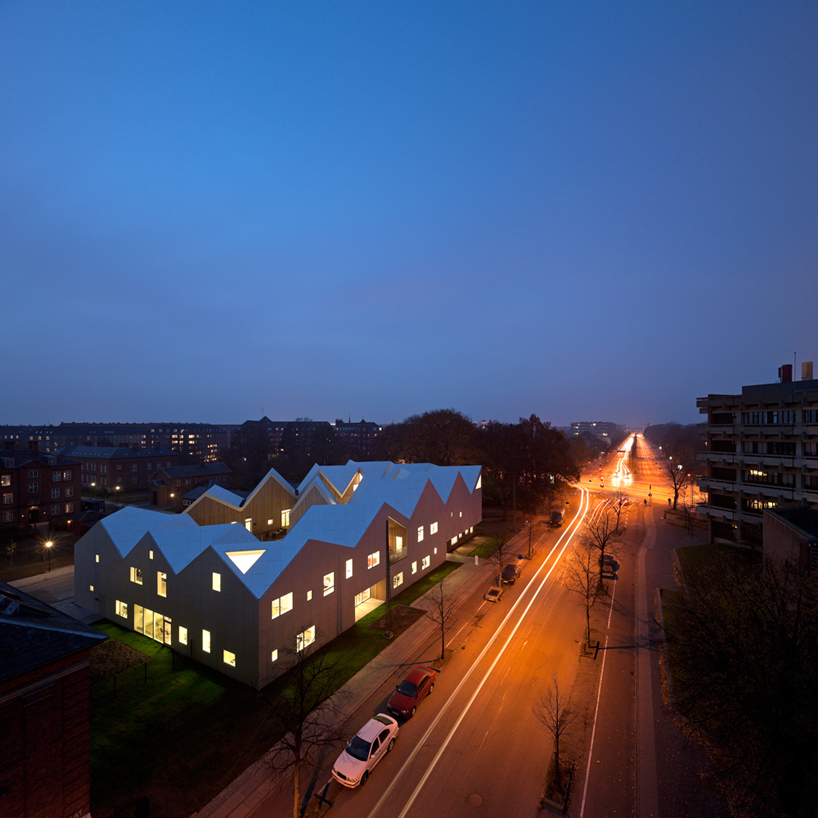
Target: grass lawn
(693,558)
(485,550)
(183,735)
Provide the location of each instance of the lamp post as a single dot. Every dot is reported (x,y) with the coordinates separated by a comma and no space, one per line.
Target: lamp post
(48,550)
(529,538)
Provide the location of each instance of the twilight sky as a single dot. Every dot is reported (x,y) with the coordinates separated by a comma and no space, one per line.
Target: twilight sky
(587,211)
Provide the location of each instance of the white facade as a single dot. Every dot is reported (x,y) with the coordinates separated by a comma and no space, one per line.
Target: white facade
(235,603)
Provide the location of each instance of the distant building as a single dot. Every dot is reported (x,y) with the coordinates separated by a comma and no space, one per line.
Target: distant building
(605,430)
(359,438)
(204,441)
(120,467)
(36,487)
(169,483)
(761,454)
(44,709)
(203,584)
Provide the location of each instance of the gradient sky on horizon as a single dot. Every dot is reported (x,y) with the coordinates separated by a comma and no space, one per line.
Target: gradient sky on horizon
(586,211)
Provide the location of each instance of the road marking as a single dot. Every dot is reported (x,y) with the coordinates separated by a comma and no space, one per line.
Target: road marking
(567,535)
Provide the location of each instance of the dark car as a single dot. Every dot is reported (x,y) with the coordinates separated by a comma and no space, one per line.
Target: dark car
(511,571)
(418,684)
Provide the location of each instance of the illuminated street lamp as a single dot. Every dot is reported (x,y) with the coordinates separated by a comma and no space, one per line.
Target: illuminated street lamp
(48,551)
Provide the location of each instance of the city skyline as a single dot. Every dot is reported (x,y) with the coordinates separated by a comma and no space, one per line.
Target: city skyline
(211,212)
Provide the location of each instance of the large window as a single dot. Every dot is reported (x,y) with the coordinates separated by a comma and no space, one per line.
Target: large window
(136,575)
(397,579)
(373,559)
(425,562)
(305,639)
(433,528)
(285,518)
(161,583)
(282,605)
(122,609)
(8,499)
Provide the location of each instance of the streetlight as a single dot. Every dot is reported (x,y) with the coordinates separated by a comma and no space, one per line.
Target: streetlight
(48,550)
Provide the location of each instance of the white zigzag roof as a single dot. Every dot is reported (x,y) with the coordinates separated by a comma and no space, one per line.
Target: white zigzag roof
(181,540)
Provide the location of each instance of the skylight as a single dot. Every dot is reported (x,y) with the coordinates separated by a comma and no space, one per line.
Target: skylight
(244,560)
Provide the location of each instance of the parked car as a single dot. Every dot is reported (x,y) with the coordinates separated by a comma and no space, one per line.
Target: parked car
(369,745)
(557,518)
(418,684)
(511,570)
(495,593)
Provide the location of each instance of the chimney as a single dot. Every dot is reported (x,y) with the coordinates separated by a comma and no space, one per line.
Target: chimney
(785,373)
(806,371)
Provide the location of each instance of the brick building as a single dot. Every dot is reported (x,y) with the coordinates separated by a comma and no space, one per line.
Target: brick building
(44,709)
(168,484)
(36,487)
(122,467)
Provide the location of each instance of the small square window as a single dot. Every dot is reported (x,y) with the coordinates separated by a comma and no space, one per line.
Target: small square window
(229,658)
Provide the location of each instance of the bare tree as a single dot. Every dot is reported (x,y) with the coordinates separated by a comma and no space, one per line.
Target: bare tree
(601,532)
(503,554)
(441,612)
(11,547)
(306,713)
(677,479)
(553,713)
(580,576)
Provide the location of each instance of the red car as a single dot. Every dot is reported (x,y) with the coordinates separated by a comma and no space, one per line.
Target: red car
(417,685)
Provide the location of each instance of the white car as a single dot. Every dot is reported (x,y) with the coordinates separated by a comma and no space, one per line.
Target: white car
(371,743)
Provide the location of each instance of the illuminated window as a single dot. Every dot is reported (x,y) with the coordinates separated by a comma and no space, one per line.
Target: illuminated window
(161,583)
(269,523)
(435,550)
(182,635)
(433,528)
(97,557)
(461,513)
(425,562)
(217,581)
(122,609)
(274,656)
(329,583)
(285,518)
(136,575)
(397,580)
(479,482)
(90,587)
(305,639)
(229,658)
(414,568)
(398,542)
(309,595)
(206,641)
(420,533)
(373,559)
(282,605)
(150,554)
(349,569)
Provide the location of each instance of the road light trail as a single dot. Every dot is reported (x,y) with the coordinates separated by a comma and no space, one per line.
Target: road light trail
(567,537)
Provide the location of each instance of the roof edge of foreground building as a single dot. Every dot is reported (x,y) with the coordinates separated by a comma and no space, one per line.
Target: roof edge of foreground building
(213,583)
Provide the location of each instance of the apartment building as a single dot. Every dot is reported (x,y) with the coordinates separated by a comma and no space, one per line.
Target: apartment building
(36,487)
(761,453)
(119,467)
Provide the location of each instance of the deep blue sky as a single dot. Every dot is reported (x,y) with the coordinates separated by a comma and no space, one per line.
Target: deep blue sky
(591,211)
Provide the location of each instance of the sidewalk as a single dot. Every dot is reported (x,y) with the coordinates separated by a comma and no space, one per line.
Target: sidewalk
(249,790)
